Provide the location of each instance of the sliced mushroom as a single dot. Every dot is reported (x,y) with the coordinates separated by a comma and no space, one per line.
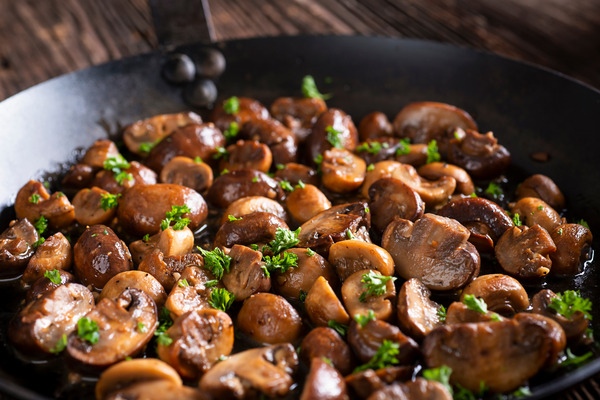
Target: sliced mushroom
(249,109)
(247,154)
(382,169)
(234,185)
(121,335)
(544,188)
(79,176)
(434,250)
(40,326)
(502,293)
(44,285)
(298,114)
(294,173)
(417,313)
(256,227)
(158,390)
(366,340)
(479,154)
(349,256)
(323,382)
(365,383)
(269,318)
(137,174)
(432,192)
(89,209)
(342,171)
(170,242)
(280,139)
(352,290)
(143,207)
(391,199)
(33,201)
(323,342)
(502,355)
(265,370)
(167,269)
(192,294)
(153,130)
(245,276)
(322,304)
(533,211)
(385,148)
(137,280)
(574,326)
(460,313)
(374,125)
(200,339)
(54,253)
(573,243)
(99,152)
(436,170)
(413,154)
(419,389)
(306,202)
(99,255)
(525,252)
(185,171)
(16,247)
(250,204)
(321,139)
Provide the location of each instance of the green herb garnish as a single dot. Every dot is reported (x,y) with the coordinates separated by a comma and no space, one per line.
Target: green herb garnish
(441,375)
(88,330)
(233,218)
(198,160)
(375,284)
(40,224)
(221,152)
(231,105)
(334,137)
(309,89)
(372,147)
(363,320)
(286,185)
(221,299)
(53,276)
(433,153)
(141,327)
(60,345)
(183,283)
(300,184)
(118,165)
(35,198)
(284,239)
(342,329)
(517,219)
(310,252)
(175,215)
(572,359)
(441,313)
(475,304)
(403,147)
(280,263)
(216,261)
(384,357)
(569,302)
(494,190)
(38,243)
(109,201)
(232,130)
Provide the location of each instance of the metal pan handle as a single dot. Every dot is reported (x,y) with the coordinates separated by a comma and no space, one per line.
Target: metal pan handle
(179,22)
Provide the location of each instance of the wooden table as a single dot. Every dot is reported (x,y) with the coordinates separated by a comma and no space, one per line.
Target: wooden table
(40,39)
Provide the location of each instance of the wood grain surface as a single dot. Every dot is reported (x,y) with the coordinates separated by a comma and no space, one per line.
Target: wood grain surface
(41,39)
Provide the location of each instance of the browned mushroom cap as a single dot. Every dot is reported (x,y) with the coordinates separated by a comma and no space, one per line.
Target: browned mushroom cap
(322,304)
(137,174)
(419,389)
(138,280)
(365,383)
(417,313)
(247,154)
(250,204)
(486,220)
(265,370)
(574,326)
(333,225)
(382,169)
(184,171)
(306,202)
(352,293)
(200,339)
(16,247)
(382,148)
(573,243)
(436,170)
(98,152)
(391,199)
(413,154)
(191,141)
(340,122)
(152,130)
(480,154)
(143,207)
(280,139)
(269,318)
(78,176)
(432,192)
(349,256)
(192,294)
(88,207)
(170,242)
(423,122)
(323,382)
(460,313)
(234,185)
(434,250)
(157,390)
(33,201)
(99,255)
(525,252)
(249,109)
(298,114)
(40,326)
(536,211)
(245,276)
(342,171)
(502,355)
(167,269)
(374,125)
(366,340)
(294,173)
(121,334)
(326,342)
(45,285)
(502,293)
(544,188)
(54,253)
(256,227)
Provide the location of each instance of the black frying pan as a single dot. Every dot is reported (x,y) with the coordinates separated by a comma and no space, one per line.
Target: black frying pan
(529,110)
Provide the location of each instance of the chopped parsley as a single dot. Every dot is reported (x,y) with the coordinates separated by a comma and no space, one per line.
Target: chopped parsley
(109,201)
(367,210)
(300,184)
(255,179)
(198,160)
(572,359)
(38,243)
(233,218)
(280,263)
(475,304)
(370,167)
(363,320)
(582,222)
(231,105)
(163,338)
(88,330)
(494,190)
(232,130)
(146,237)
(517,219)
(60,345)
(441,313)
(384,357)
(310,252)
(164,323)
(118,164)
(147,147)
(280,167)
(40,224)
(375,284)
(221,152)
(216,261)
(403,147)
(175,215)
(319,161)
(221,299)
(53,276)
(342,329)
(521,392)
(334,137)
(225,171)
(569,302)
(441,375)
(211,283)
(433,153)
(183,283)
(35,198)
(141,327)
(284,239)
(372,147)
(286,185)
(349,234)
(302,296)
(309,89)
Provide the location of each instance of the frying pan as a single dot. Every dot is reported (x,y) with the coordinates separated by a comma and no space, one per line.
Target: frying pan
(529,110)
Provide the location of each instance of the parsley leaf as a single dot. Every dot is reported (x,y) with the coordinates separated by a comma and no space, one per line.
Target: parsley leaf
(38,242)
(141,327)
(309,89)
(372,147)
(216,261)
(221,299)
(211,283)
(232,130)
(300,184)
(494,190)
(233,218)
(375,284)
(441,313)
(403,147)
(363,320)
(569,302)
(60,345)
(147,147)
(517,219)
(231,105)
(441,375)
(163,338)
(88,330)
(310,252)
(582,222)
(280,263)
(109,201)
(198,160)
(221,153)
(342,329)
(183,283)
(433,153)
(284,239)
(175,216)
(384,357)
(334,137)
(53,276)
(319,161)
(164,323)
(35,198)
(286,185)
(118,164)
(302,296)
(475,304)
(572,359)
(521,392)
(40,224)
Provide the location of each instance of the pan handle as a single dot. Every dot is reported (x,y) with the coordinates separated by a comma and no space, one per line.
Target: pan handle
(179,22)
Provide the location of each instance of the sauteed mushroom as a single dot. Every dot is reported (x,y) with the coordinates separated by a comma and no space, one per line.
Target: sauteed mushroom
(280,140)
(359,300)
(533,211)
(391,199)
(185,171)
(136,174)
(325,342)
(342,171)
(417,313)
(323,382)
(250,204)
(573,243)
(298,114)
(54,253)
(574,326)
(460,313)
(166,269)
(502,293)
(349,256)
(333,128)
(234,185)
(436,170)
(137,280)
(192,294)
(256,227)
(247,154)
(432,192)
(88,207)
(306,202)
(544,188)
(419,389)
(170,242)
(44,285)
(33,201)
(16,247)
(246,275)
(322,304)
(479,154)
(294,173)
(240,111)
(374,125)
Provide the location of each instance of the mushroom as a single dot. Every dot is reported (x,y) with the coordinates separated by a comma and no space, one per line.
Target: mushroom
(323,382)
(281,140)
(256,227)
(485,220)
(306,202)
(382,169)
(152,130)
(264,370)
(170,242)
(294,173)
(89,209)
(349,256)
(365,383)
(79,176)
(436,170)
(247,154)
(502,294)
(374,125)
(269,318)
(533,211)
(16,247)
(502,355)
(44,285)
(185,171)
(143,207)
(167,269)
(460,313)
(432,192)
(157,390)
(192,294)
(391,199)
(434,250)
(136,174)
(99,255)
(413,154)
(200,338)
(234,185)
(417,313)
(298,114)
(384,148)
(38,328)
(418,389)
(342,171)
(574,326)
(479,154)
(573,243)
(359,300)
(33,201)
(125,325)
(333,128)
(324,342)
(247,109)
(322,304)
(250,204)
(245,276)
(138,280)
(99,152)
(544,188)
(54,253)
(525,252)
